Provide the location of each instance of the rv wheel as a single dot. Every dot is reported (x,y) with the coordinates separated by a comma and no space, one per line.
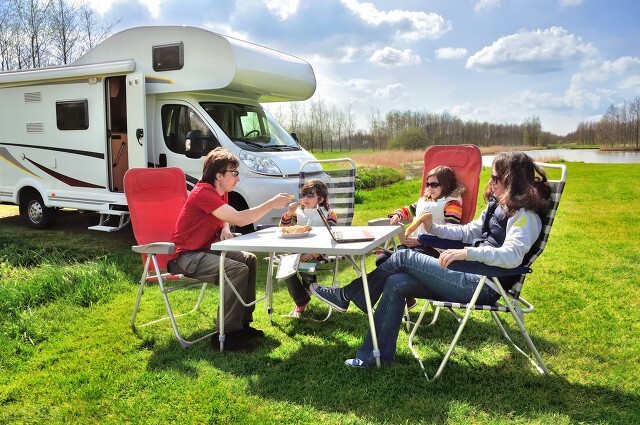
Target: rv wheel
(33,211)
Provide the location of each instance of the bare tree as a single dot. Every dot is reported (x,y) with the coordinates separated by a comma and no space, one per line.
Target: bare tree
(65,34)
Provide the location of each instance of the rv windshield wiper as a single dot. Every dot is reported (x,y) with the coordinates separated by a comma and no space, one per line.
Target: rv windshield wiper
(257,145)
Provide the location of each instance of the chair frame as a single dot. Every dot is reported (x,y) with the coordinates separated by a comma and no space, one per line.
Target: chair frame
(511,300)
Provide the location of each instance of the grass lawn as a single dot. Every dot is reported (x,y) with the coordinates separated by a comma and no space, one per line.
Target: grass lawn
(67,354)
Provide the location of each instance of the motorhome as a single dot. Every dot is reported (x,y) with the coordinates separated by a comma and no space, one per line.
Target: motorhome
(147,97)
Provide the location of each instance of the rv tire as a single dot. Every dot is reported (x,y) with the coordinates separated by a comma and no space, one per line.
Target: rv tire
(33,210)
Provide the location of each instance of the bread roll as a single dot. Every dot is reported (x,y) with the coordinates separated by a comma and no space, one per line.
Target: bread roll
(296,229)
(417,221)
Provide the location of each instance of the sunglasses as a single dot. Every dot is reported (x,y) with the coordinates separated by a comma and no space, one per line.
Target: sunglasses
(494,179)
(432,185)
(308,195)
(234,173)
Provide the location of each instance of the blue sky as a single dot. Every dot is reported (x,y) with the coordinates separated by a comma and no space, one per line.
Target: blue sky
(500,61)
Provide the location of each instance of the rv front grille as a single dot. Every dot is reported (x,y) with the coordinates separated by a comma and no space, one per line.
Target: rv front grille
(33,97)
(35,127)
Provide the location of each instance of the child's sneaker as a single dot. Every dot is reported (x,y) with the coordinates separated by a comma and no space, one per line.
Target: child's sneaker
(297,311)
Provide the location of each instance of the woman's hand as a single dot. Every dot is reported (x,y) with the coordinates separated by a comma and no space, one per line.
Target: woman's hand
(411,241)
(450,255)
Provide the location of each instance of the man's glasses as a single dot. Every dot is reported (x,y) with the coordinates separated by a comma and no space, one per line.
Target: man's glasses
(308,195)
(432,185)
(234,173)
(494,179)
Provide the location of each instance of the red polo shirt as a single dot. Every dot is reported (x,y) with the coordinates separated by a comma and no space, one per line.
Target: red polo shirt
(197,228)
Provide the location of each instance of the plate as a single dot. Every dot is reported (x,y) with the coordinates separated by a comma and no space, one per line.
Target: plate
(295,235)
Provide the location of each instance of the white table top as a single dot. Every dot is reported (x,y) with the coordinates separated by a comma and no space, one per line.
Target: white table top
(318,241)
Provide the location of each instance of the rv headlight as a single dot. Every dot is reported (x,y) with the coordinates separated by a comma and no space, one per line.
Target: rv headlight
(259,164)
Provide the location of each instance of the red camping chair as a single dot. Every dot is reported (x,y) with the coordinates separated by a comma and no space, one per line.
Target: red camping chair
(466,162)
(155,197)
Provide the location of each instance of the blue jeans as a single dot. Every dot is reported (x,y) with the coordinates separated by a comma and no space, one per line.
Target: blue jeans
(408,274)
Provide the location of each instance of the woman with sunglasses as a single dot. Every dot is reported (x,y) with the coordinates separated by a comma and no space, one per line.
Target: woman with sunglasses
(516,194)
(204,219)
(314,195)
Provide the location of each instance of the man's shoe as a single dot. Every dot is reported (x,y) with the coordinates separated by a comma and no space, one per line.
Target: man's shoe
(411,303)
(252,332)
(236,341)
(331,296)
(355,363)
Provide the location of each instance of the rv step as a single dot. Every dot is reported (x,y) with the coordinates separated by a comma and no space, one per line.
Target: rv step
(104,226)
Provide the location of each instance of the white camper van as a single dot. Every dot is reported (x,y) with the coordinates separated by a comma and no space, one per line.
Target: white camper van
(147,97)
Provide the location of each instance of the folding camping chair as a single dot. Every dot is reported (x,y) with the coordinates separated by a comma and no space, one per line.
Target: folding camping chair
(155,197)
(466,162)
(339,175)
(509,302)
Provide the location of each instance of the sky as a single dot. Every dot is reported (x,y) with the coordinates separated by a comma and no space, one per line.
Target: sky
(497,61)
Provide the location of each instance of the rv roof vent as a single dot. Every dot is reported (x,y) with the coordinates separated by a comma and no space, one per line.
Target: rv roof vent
(167,57)
(35,127)
(33,97)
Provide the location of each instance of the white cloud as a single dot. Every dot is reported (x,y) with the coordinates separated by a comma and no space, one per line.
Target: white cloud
(450,53)
(282,8)
(569,3)
(630,83)
(393,58)
(411,26)
(393,91)
(484,5)
(532,52)
(104,6)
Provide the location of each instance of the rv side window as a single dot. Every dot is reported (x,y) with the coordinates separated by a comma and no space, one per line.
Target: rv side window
(167,57)
(177,121)
(72,115)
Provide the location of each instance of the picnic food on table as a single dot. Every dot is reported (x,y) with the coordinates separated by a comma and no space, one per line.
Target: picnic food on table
(296,229)
(417,221)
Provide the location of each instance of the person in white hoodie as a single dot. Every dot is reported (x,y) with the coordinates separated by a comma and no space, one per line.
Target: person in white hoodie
(516,194)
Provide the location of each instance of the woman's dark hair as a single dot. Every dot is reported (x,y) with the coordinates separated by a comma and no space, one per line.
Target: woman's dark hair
(217,161)
(320,189)
(446,177)
(525,183)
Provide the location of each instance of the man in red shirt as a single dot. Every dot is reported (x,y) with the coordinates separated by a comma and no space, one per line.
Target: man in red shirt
(204,219)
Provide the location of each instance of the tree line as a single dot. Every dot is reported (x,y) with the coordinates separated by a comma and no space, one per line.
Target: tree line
(327,128)
(619,128)
(39,33)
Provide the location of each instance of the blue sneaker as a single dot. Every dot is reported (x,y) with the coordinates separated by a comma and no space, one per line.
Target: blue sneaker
(331,296)
(355,363)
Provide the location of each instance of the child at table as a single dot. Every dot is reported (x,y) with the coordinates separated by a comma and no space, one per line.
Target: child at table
(314,195)
(442,198)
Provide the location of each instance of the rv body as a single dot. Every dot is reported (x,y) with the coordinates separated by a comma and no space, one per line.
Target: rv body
(147,97)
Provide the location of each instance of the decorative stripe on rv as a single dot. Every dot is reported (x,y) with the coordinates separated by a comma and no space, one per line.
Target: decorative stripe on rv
(4,154)
(65,179)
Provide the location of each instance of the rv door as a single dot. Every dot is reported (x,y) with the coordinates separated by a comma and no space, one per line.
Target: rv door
(136,120)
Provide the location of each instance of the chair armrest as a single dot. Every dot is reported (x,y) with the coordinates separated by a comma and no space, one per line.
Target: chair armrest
(155,248)
(436,242)
(378,222)
(485,270)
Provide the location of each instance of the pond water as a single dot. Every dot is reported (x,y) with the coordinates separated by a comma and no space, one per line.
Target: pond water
(590,156)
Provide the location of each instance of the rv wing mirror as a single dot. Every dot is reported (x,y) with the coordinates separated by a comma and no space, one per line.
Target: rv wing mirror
(295,137)
(197,144)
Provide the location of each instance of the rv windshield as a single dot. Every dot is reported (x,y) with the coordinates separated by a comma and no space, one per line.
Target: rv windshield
(250,127)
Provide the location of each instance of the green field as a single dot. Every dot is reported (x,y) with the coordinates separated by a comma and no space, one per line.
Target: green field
(67,354)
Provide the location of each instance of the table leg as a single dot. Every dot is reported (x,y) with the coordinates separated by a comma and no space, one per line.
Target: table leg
(269,286)
(221,302)
(367,297)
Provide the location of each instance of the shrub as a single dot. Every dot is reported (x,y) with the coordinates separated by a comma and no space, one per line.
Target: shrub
(372,176)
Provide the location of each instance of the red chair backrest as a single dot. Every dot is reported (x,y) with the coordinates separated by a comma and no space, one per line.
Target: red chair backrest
(466,162)
(155,197)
